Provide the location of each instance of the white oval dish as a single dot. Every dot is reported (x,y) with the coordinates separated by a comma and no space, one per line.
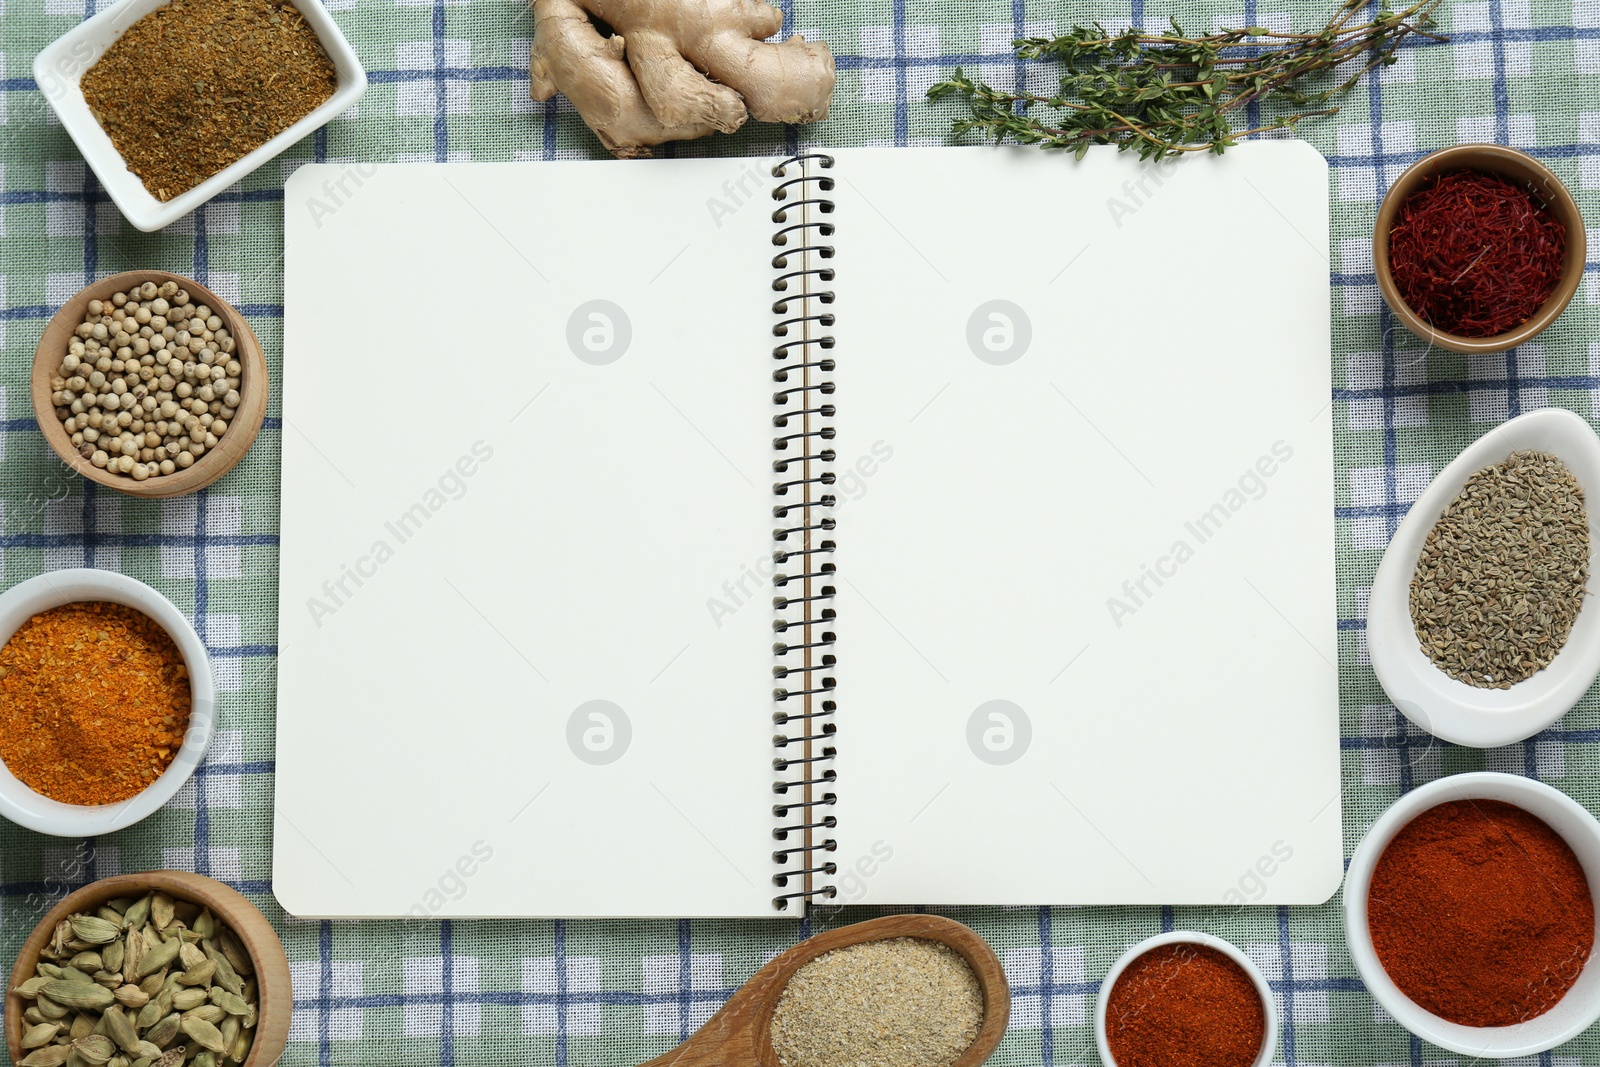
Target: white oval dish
(1269,1041)
(1450,709)
(58,70)
(25,807)
(1573,1013)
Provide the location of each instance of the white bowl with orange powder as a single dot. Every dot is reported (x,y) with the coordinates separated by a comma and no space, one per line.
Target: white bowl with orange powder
(125,660)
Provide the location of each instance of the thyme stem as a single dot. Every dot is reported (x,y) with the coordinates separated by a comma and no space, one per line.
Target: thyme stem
(1167,93)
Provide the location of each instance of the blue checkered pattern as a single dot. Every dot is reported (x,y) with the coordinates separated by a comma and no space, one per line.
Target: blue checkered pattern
(449,82)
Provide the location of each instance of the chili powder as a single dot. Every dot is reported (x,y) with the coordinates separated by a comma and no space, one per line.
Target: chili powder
(1481,913)
(94,702)
(1475,254)
(1185,1005)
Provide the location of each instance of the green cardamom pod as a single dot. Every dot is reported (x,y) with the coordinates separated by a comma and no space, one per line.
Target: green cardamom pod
(227,977)
(207,1012)
(50,1009)
(89,962)
(204,1059)
(203,1032)
(172,1057)
(232,1003)
(83,1026)
(131,996)
(112,955)
(41,1034)
(150,1014)
(94,930)
(84,996)
(229,943)
(241,1047)
(136,915)
(190,955)
(198,975)
(161,910)
(205,924)
(157,957)
(187,999)
(162,1033)
(30,989)
(120,1029)
(94,1050)
(51,1056)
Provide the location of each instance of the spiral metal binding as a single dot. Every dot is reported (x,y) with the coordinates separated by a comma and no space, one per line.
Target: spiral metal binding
(802,582)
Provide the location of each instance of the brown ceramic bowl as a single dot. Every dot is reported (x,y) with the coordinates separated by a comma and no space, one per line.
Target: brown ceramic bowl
(1492,159)
(209,467)
(276,995)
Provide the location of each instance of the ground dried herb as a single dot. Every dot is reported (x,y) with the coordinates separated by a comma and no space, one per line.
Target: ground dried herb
(94,702)
(1503,572)
(899,1002)
(194,86)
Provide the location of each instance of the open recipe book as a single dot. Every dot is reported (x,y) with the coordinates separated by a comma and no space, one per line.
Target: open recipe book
(710,537)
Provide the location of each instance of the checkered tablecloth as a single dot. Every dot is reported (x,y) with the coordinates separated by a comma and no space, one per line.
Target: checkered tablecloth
(449,82)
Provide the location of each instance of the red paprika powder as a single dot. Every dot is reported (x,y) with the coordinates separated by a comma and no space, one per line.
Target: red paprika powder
(1185,1005)
(1481,913)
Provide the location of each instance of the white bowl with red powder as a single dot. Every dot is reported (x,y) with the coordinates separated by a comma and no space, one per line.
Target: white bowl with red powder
(1177,989)
(22,602)
(1482,791)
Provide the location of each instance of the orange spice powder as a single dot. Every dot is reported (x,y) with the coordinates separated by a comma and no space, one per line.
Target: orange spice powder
(94,702)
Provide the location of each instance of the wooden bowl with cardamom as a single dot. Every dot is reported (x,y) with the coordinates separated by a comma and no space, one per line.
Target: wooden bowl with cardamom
(255,935)
(215,461)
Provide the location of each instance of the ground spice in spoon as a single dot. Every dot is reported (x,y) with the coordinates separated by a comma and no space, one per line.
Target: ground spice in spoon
(197,84)
(1475,254)
(1481,913)
(897,1002)
(94,703)
(1185,1005)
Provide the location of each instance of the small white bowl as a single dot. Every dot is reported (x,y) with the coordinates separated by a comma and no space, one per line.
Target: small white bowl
(1269,1041)
(24,600)
(1436,702)
(59,70)
(1573,1013)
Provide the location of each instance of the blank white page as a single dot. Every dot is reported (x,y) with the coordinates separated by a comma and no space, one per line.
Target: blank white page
(503,502)
(1085,432)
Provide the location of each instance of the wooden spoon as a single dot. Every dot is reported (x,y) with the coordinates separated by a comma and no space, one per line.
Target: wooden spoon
(740,1035)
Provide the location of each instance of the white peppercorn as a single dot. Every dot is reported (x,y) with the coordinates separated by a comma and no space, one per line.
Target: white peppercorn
(149,381)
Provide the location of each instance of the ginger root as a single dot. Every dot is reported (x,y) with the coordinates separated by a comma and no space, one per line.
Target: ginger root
(675,69)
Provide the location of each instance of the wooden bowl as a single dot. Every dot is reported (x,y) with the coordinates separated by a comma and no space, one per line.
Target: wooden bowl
(740,1034)
(1509,163)
(275,993)
(253,388)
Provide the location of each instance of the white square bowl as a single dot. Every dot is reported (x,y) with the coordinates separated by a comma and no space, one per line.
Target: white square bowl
(59,71)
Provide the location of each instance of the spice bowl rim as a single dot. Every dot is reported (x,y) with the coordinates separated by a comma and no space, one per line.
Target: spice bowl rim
(26,808)
(1573,1013)
(252,928)
(254,388)
(1269,1004)
(1496,159)
(58,70)
(1437,703)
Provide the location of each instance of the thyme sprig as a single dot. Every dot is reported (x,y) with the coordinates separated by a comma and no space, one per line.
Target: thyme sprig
(1167,93)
